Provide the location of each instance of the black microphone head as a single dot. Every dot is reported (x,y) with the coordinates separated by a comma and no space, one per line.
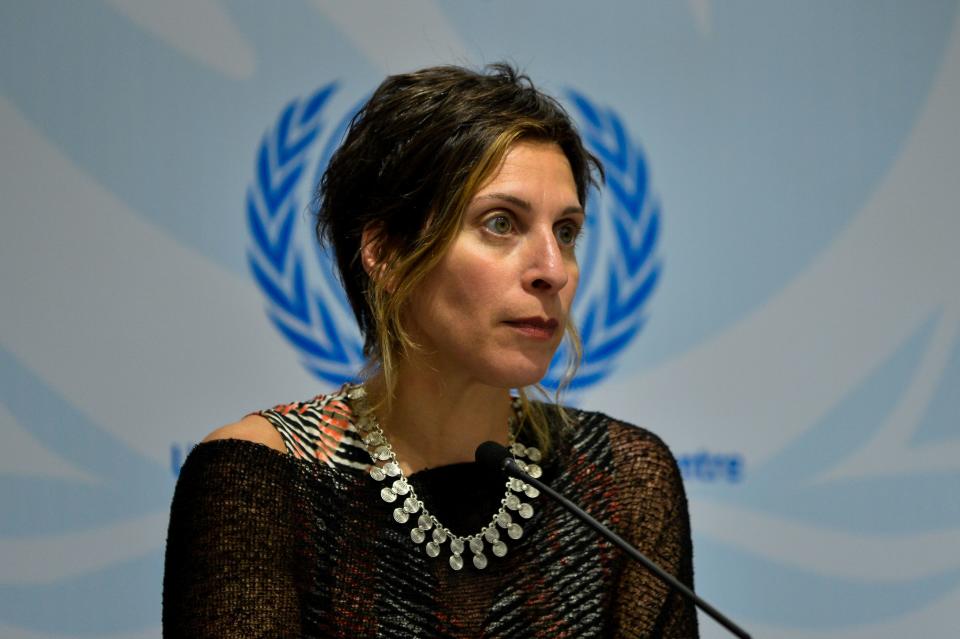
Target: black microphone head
(492,455)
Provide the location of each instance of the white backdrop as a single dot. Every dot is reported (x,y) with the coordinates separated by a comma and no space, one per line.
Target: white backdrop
(771,278)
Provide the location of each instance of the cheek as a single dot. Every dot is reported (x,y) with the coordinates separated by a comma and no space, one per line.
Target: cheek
(475,283)
(456,294)
(471,301)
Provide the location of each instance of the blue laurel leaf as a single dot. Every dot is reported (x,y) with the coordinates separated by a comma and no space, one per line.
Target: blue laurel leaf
(295,304)
(610,347)
(582,381)
(274,196)
(586,329)
(289,146)
(586,109)
(338,353)
(617,311)
(631,200)
(276,251)
(617,153)
(301,341)
(316,102)
(636,258)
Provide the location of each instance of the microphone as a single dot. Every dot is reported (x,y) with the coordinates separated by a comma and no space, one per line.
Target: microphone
(494,456)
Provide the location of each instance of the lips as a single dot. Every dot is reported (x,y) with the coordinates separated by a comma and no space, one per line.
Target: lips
(535,327)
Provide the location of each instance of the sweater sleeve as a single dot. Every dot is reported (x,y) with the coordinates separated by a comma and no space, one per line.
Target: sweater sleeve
(230,567)
(651,485)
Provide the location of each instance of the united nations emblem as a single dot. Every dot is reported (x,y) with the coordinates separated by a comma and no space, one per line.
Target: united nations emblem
(304,300)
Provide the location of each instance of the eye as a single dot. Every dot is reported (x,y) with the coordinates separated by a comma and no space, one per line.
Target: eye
(499,224)
(567,233)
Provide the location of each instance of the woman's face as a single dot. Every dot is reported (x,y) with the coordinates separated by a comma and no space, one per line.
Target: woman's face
(493,311)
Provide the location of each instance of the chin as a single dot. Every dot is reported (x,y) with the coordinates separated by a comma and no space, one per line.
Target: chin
(525,373)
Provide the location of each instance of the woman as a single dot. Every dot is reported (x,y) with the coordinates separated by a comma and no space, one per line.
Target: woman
(453,206)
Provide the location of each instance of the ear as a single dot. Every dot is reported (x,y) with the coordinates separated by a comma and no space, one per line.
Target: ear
(371,254)
(370,251)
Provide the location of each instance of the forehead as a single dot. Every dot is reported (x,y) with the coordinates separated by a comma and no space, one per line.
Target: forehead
(531,163)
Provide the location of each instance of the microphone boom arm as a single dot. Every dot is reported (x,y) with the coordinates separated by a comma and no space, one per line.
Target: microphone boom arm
(509,466)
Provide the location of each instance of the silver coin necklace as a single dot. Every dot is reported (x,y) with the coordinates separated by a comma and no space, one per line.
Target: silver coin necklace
(427,529)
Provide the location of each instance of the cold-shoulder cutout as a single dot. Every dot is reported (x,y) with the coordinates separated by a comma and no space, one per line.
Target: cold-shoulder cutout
(252,428)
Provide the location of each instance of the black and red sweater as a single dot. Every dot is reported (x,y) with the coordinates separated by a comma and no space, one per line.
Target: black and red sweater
(266,544)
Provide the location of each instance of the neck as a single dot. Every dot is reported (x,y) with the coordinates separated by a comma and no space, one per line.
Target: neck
(434,422)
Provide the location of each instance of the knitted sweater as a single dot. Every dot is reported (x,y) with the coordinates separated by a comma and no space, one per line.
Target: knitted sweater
(266,544)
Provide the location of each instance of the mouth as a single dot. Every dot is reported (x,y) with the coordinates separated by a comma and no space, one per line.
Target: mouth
(535,327)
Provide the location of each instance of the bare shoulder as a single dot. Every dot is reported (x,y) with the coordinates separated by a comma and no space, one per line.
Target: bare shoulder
(252,428)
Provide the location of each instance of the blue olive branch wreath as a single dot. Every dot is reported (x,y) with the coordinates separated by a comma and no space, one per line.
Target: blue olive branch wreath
(310,309)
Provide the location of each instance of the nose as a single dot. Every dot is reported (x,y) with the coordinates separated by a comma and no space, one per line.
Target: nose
(547,266)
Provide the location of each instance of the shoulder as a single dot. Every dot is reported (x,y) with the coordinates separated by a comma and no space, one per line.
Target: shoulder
(266,426)
(317,430)
(252,428)
(632,450)
(234,468)
(620,432)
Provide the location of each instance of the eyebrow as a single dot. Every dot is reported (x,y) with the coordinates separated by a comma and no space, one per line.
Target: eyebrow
(525,205)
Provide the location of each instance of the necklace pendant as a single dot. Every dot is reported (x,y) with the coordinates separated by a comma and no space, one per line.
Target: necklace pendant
(392,469)
(476,547)
(425,523)
(401,487)
(456,561)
